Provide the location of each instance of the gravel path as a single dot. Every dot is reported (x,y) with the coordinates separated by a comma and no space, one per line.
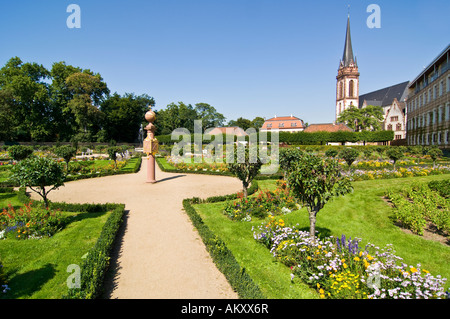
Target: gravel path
(160,254)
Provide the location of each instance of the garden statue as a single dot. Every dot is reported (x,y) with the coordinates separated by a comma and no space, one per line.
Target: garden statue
(150,145)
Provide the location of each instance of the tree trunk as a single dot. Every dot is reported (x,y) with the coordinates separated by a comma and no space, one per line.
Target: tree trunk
(312,223)
(244,189)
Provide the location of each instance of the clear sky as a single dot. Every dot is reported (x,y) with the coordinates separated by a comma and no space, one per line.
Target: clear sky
(245,57)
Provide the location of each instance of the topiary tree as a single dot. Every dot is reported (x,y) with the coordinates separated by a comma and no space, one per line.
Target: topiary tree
(245,166)
(287,157)
(331,153)
(435,153)
(349,155)
(314,181)
(40,174)
(66,152)
(19,152)
(394,153)
(112,152)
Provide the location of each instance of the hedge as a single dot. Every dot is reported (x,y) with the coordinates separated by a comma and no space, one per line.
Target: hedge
(95,265)
(224,259)
(298,138)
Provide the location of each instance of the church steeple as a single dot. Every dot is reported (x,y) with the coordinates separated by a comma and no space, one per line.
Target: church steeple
(348,59)
(347,87)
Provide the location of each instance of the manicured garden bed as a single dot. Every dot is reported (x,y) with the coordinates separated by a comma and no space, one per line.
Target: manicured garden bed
(37,268)
(363,214)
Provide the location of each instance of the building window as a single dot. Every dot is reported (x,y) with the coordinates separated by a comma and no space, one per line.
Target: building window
(389,127)
(398,127)
(294,124)
(281,125)
(435,92)
(441,88)
(341,91)
(429,95)
(448,84)
(269,125)
(351,88)
(394,118)
(398,137)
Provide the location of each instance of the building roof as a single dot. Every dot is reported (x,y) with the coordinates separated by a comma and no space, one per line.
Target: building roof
(232,130)
(386,96)
(426,70)
(347,58)
(328,127)
(283,123)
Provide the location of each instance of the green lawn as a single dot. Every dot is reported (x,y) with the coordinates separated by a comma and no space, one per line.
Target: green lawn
(37,268)
(363,214)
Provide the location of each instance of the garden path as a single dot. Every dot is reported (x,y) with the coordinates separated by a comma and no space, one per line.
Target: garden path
(160,254)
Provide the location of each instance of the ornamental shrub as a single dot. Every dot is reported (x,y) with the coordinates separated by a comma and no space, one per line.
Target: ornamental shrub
(20,152)
(349,155)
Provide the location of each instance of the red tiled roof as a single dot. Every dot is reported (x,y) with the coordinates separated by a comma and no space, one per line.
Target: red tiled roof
(283,122)
(232,130)
(327,128)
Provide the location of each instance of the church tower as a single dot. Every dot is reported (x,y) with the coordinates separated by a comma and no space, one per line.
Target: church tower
(347,87)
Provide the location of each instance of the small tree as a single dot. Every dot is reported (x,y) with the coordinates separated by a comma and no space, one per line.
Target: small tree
(20,152)
(314,181)
(245,165)
(331,153)
(288,156)
(112,152)
(435,153)
(66,152)
(349,155)
(37,173)
(394,153)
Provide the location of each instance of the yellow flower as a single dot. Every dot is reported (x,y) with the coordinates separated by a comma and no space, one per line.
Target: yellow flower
(345,265)
(356,259)
(369,257)
(425,271)
(413,269)
(308,258)
(318,285)
(321,291)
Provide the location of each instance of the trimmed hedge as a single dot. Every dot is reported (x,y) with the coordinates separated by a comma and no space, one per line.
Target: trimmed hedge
(95,265)
(224,259)
(300,138)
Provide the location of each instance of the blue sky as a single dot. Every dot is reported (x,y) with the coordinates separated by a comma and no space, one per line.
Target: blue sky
(245,57)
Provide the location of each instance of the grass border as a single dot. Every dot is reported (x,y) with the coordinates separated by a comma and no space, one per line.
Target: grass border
(95,266)
(223,258)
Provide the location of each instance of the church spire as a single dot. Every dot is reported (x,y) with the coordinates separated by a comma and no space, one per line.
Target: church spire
(348,58)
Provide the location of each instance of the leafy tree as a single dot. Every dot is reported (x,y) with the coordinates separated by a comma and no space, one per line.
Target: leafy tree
(368,118)
(209,116)
(288,156)
(37,173)
(245,165)
(349,155)
(258,122)
(175,116)
(28,100)
(20,152)
(88,92)
(315,181)
(435,153)
(241,122)
(394,153)
(331,153)
(66,152)
(124,116)
(112,152)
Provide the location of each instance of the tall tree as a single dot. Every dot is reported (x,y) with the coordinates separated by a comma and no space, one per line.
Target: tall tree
(26,86)
(368,118)
(209,116)
(88,91)
(124,116)
(175,116)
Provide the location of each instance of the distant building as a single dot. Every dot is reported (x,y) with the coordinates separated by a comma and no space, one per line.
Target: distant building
(331,127)
(392,99)
(428,106)
(283,124)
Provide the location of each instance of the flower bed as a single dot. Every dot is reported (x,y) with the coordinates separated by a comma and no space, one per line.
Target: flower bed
(29,222)
(262,204)
(412,171)
(339,268)
(418,206)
